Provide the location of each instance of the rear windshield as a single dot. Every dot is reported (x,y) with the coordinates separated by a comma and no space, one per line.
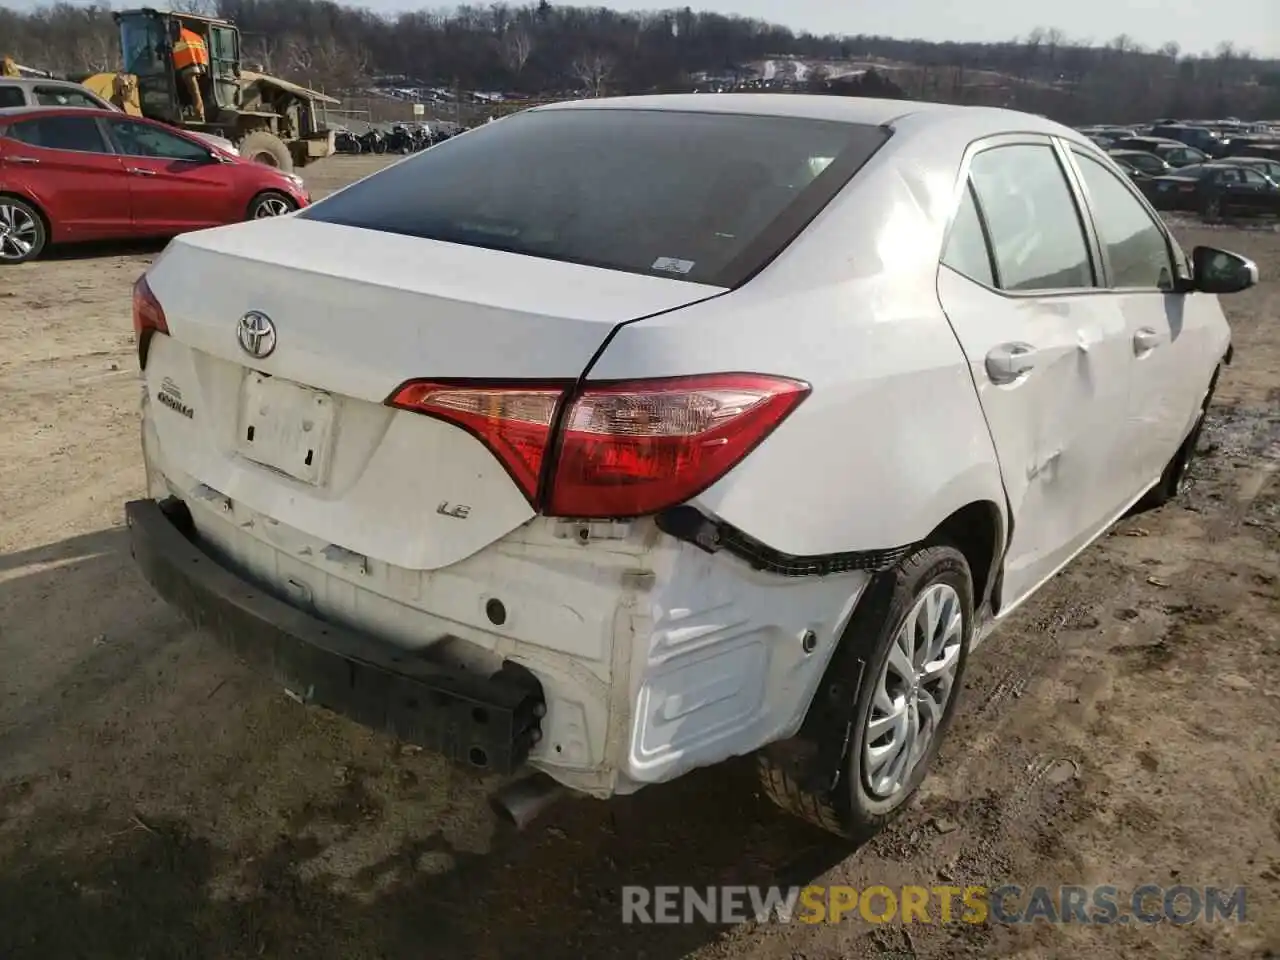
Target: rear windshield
(706,197)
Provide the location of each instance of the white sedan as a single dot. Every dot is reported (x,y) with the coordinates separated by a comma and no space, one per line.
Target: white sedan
(621,437)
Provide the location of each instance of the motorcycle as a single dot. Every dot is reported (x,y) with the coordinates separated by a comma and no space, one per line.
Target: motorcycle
(374,142)
(347,142)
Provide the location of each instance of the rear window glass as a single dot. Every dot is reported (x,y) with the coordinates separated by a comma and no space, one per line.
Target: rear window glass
(64,97)
(12,97)
(705,197)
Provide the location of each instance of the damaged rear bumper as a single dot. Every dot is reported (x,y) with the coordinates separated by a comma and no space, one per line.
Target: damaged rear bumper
(487,723)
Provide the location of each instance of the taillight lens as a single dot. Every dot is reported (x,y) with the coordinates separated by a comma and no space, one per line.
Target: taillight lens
(623,449)
(148,318)
(513,421)
(628,449)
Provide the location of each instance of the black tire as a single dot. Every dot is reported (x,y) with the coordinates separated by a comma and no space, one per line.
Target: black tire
(1173,481)
(851,810)
(1212,208)
(21,226)
(266,148)
(269,203)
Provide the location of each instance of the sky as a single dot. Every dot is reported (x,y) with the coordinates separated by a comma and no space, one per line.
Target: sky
(1195,25)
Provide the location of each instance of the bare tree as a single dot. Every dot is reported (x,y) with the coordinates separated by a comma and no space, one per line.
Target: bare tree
(261,52)
(298,59)
(201,8)
(517,47)
(594,69)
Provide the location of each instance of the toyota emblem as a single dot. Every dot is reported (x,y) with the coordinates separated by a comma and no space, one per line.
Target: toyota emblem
(257,335)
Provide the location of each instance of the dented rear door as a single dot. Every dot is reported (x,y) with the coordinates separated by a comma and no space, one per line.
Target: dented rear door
(1052,372)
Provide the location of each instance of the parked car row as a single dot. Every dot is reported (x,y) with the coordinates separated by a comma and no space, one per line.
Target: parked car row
(1211,139)
(1212,168)
(70,173)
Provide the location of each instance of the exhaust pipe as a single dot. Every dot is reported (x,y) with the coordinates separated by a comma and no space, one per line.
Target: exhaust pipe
(522,802)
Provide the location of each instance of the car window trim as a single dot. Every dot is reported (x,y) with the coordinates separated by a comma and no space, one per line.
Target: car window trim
(968,188)
(108,146)
(1069,150)
(1013,139)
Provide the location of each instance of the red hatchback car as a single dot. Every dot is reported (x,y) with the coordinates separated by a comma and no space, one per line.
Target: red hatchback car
(70,174)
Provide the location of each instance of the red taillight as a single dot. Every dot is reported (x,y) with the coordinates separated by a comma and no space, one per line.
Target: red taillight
(623,449)
(513,421)
(628,449)
(148,318)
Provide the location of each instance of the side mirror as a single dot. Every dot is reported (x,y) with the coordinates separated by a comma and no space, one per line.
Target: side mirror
(1220,271)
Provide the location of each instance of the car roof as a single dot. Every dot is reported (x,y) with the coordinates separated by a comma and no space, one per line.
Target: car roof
(39,82)
(63,111)
(1131,153)
(862,110)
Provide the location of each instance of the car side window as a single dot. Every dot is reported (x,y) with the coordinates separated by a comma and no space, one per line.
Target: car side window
(12,97)
(1135,243)
(61,133)
(1035,228)
(1252,177)
(967,252)
(60,97)
(144,140)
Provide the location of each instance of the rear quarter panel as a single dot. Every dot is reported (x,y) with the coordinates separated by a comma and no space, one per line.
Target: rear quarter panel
(892,438)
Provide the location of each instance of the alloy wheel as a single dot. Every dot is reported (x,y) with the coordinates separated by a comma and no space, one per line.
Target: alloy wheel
(18,232)
(913,689)
(271,207)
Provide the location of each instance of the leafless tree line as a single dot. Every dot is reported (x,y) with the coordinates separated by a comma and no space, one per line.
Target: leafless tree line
(546,49)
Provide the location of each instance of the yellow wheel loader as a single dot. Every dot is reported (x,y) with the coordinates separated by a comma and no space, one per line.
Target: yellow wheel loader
(270,120)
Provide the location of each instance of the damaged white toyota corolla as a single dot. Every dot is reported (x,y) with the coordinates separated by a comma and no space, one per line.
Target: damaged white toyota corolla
(618,438)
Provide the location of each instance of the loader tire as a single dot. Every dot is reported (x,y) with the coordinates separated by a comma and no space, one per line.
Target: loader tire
(266,148)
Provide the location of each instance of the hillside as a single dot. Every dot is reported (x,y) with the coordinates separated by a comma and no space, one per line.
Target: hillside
(548,50)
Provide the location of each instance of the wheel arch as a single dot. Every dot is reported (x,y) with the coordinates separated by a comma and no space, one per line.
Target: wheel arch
(977,530)
(35,205)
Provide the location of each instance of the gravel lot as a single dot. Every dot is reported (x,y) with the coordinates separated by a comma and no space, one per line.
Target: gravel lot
(158,800)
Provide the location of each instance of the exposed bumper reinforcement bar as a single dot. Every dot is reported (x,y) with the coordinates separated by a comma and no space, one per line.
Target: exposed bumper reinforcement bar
(486,723)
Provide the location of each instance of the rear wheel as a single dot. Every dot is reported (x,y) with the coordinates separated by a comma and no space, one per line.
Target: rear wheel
(1212,207)
(22,231)
(270,204)
(266,148)
(917,639)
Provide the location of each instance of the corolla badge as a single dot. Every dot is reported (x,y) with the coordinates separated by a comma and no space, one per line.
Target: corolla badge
(257,334)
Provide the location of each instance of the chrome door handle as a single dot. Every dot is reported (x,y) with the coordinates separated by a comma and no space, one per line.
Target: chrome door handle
(28,160)
(138,171)
(1146,340)
(1010,362)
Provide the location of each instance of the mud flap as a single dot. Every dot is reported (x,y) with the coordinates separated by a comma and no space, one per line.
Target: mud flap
(816,758)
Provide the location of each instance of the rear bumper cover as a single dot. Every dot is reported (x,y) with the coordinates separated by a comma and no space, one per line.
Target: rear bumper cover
(487,723)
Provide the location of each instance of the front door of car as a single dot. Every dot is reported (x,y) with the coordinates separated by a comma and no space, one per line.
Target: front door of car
(1050,361)
(176,184)
(65,164)
(1172,335)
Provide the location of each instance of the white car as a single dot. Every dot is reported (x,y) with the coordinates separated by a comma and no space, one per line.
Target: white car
(625,436)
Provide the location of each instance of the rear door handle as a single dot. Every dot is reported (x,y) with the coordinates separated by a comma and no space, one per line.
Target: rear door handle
(138,171)
(1146,340)
(1010,362)
(28,160)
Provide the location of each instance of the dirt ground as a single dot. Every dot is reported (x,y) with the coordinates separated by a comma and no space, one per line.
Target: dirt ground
(158,800)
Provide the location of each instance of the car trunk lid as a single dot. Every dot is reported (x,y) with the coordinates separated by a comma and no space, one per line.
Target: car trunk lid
(302,433)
